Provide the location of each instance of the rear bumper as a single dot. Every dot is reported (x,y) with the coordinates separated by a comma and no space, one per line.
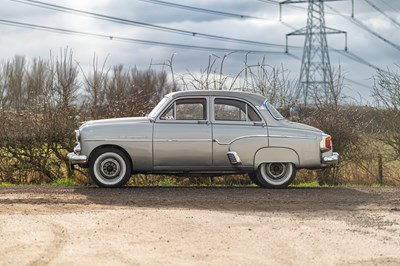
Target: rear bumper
(331,159)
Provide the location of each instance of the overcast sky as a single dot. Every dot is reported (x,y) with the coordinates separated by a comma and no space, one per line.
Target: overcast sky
(36,43)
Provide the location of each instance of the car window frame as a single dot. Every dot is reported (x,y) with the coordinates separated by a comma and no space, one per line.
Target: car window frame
(235,122)
(191,121)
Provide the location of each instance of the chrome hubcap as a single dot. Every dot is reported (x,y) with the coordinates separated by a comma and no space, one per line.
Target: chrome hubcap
(110,168)
(276,170)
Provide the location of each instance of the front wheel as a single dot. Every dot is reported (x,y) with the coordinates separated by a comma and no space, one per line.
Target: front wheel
(110,167)
(276,175)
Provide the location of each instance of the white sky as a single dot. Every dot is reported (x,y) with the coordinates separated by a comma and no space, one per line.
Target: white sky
(35,43)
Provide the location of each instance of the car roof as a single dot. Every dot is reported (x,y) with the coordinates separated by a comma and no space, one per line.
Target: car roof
(255,99)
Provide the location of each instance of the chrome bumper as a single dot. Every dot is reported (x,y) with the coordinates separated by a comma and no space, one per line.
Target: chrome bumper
(332,159)
(75,158)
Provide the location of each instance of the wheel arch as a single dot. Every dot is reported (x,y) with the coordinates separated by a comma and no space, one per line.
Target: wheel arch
(107,146)
(276,155)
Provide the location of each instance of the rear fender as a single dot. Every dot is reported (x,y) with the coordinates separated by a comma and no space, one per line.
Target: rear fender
(276,155)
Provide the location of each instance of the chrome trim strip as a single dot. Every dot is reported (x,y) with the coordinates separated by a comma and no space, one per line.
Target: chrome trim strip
(121,140)
(291,137)
(149,140)
(235,139)
(236,159)
(271,136)
(182,140)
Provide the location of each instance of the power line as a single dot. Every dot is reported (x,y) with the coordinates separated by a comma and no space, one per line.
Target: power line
(274,2)
(142,24)
(390,6)
(269,2)
(357,59)
(351,56)
(364,27)
(383,13)
(357,83)
(131,40)
(202,10)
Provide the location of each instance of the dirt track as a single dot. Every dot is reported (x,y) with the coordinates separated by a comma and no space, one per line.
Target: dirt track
(43,225)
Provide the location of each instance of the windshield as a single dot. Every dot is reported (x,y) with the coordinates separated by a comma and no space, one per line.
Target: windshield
(158,107)
(275,113)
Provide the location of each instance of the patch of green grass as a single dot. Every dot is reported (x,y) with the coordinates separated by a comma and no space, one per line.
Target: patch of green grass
(306,184)
(344,185)
(166,183)
(380,185)
(63,182)
(6,184)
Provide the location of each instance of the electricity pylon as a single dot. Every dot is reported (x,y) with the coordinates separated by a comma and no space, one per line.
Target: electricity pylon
(316,72)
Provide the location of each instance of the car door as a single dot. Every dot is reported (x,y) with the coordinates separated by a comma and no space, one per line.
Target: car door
(182,136)
(237,127)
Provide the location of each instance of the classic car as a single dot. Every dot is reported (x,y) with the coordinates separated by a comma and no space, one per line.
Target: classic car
(202,133)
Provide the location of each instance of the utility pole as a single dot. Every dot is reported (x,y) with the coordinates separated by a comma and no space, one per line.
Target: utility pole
(316,72)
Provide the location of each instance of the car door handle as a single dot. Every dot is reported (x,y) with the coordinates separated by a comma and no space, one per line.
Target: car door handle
(205,122)
(260,124)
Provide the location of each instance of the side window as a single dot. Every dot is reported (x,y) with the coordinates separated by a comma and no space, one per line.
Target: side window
(234,110)
(187,109)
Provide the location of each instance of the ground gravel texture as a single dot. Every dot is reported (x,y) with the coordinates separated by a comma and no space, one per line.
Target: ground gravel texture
(44,225)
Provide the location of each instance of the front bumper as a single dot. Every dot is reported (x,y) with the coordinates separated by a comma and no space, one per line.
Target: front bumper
(331,159)
(75,158)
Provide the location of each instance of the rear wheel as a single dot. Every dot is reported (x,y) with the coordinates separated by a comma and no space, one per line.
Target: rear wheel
(110,167)
(276,175)
(254,179)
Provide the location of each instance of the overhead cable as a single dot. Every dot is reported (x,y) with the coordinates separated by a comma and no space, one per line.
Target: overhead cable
(132,40)
(143,24)
(203,10)
(383,13)
(390,6)
(366,28)
(358,59)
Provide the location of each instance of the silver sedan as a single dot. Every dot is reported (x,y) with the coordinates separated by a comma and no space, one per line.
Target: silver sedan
(202,132)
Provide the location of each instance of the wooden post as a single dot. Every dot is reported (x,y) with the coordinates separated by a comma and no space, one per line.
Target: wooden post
(380,169)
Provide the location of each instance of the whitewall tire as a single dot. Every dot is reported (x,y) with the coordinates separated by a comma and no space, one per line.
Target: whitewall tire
(110,167)
(276,175)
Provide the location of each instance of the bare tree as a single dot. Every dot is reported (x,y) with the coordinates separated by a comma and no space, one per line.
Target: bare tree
(95,85)
(40,117)
(271,82)
(261,78)
(13,88)
(386,92)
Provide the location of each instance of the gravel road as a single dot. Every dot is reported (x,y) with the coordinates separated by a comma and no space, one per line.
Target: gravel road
(44,225)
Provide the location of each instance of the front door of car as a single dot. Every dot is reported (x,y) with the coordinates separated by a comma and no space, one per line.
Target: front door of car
(237,127)
(182,136)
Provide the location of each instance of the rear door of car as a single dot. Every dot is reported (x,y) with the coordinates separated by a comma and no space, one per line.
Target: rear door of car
(237,127)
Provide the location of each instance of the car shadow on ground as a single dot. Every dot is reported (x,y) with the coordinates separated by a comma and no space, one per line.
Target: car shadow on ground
(245,199)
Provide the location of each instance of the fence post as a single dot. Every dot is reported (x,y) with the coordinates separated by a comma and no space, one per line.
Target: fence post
(380,169)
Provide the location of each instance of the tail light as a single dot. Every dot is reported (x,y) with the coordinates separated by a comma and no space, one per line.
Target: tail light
(326,143)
